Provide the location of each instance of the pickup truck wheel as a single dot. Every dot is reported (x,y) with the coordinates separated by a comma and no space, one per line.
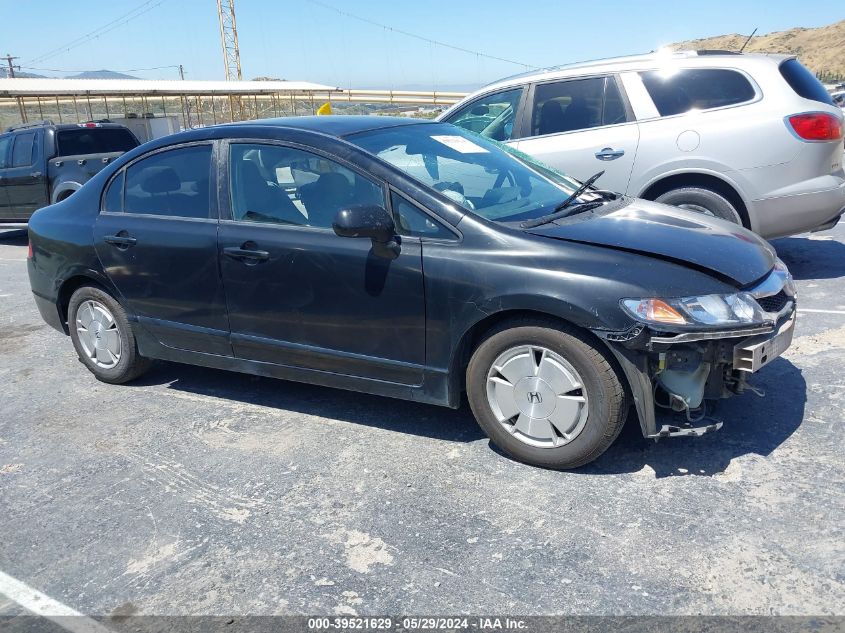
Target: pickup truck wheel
(102,336)
(701,200)
(545,395)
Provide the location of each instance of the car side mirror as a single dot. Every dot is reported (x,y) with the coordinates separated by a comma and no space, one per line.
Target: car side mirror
(370,221)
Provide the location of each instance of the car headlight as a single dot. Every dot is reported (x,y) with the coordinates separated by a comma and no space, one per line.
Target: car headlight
(708,310)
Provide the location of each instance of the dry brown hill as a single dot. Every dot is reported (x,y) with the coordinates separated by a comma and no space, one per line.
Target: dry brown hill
(822,49)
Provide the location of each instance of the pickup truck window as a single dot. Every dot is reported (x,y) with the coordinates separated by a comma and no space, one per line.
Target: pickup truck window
(94,141)
(5,141)
(22,149)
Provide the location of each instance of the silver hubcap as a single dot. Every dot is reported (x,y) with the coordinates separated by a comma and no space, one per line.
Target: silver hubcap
(537,396)
(98,333)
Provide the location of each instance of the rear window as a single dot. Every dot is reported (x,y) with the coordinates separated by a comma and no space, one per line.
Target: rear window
(803,82)
(94,140)
(696,89)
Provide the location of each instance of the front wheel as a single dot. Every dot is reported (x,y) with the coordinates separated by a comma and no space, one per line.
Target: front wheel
(102,336)
(545,395)
(702,200)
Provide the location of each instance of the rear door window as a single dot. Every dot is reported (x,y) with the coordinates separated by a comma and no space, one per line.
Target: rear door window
(567,106)
(803,82)
(113,200)
(173,183)
(94,141)
(492,116)
(22,149)
(696,89)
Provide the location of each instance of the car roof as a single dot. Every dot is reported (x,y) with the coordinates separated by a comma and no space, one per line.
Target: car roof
(637,62)
(336,125)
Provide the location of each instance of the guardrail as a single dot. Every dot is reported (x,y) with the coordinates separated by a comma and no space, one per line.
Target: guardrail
(403,97)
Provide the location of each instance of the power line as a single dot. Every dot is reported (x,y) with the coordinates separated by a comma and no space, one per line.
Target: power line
(418,37)
(102,30)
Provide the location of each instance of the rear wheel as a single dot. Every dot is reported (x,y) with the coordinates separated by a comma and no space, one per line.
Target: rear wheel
(545,395)
(702,200)
(102,336)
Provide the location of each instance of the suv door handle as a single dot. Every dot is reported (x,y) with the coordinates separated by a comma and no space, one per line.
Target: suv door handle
(121,240)
(245,252)
(608,153)
(36,174)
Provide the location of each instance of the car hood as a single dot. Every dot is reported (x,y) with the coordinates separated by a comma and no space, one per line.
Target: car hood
(669,233)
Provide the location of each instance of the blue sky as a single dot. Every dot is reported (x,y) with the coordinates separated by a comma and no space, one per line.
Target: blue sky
(299,39)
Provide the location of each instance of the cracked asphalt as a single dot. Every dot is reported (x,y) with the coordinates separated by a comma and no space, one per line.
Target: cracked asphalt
(197,491)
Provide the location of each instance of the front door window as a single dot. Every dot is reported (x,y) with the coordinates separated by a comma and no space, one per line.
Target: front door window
(284,185)
(493,116)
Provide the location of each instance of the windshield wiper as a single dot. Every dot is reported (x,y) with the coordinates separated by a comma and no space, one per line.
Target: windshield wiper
(561,209)
(605,194)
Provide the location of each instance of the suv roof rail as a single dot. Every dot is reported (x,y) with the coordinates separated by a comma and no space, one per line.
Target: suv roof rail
(716,51)
(24,126)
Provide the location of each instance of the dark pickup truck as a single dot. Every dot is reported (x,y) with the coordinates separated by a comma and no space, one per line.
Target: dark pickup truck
(43,163)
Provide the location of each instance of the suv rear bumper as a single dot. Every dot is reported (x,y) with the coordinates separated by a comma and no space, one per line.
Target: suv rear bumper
(799,212)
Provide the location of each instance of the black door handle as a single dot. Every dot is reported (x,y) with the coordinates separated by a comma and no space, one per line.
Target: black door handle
(121,240)
(236,252)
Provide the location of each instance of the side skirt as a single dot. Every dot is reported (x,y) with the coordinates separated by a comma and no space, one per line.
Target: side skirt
(434,389)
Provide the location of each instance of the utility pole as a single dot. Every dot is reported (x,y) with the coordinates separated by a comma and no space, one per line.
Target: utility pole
(181,73)
(9,59)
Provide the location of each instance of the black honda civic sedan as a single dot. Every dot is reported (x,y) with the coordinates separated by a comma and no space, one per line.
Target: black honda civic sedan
(415,260)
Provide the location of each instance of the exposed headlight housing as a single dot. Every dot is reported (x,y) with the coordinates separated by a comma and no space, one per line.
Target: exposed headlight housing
(704,310)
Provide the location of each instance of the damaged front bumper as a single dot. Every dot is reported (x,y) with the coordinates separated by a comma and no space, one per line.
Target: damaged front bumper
(679,371)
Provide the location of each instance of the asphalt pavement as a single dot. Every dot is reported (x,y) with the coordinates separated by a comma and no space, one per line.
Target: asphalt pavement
(197,491)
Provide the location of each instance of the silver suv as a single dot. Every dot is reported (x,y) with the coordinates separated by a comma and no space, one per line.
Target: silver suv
(751,138)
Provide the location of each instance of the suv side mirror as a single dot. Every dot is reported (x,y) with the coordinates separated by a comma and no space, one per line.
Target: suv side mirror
(370,221)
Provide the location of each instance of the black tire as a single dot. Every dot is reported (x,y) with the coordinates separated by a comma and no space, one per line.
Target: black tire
(702,200)
(606,401)
(130,364)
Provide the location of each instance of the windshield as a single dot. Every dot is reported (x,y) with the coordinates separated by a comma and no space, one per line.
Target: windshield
(483,176)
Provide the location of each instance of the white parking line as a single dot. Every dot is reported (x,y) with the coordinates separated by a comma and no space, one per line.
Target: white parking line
(43,605)
(821,311)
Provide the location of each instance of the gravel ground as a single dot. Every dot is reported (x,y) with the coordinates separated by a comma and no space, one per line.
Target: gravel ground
(196,491)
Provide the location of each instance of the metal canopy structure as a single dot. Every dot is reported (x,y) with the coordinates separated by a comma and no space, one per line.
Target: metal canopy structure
(195,102)
(20,87)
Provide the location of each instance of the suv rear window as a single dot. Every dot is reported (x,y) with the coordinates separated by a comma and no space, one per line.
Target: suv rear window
(803,82)
(696,89)
(94,140)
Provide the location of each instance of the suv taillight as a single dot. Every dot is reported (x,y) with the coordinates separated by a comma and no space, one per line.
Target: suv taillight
(816,126)
(29,250)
